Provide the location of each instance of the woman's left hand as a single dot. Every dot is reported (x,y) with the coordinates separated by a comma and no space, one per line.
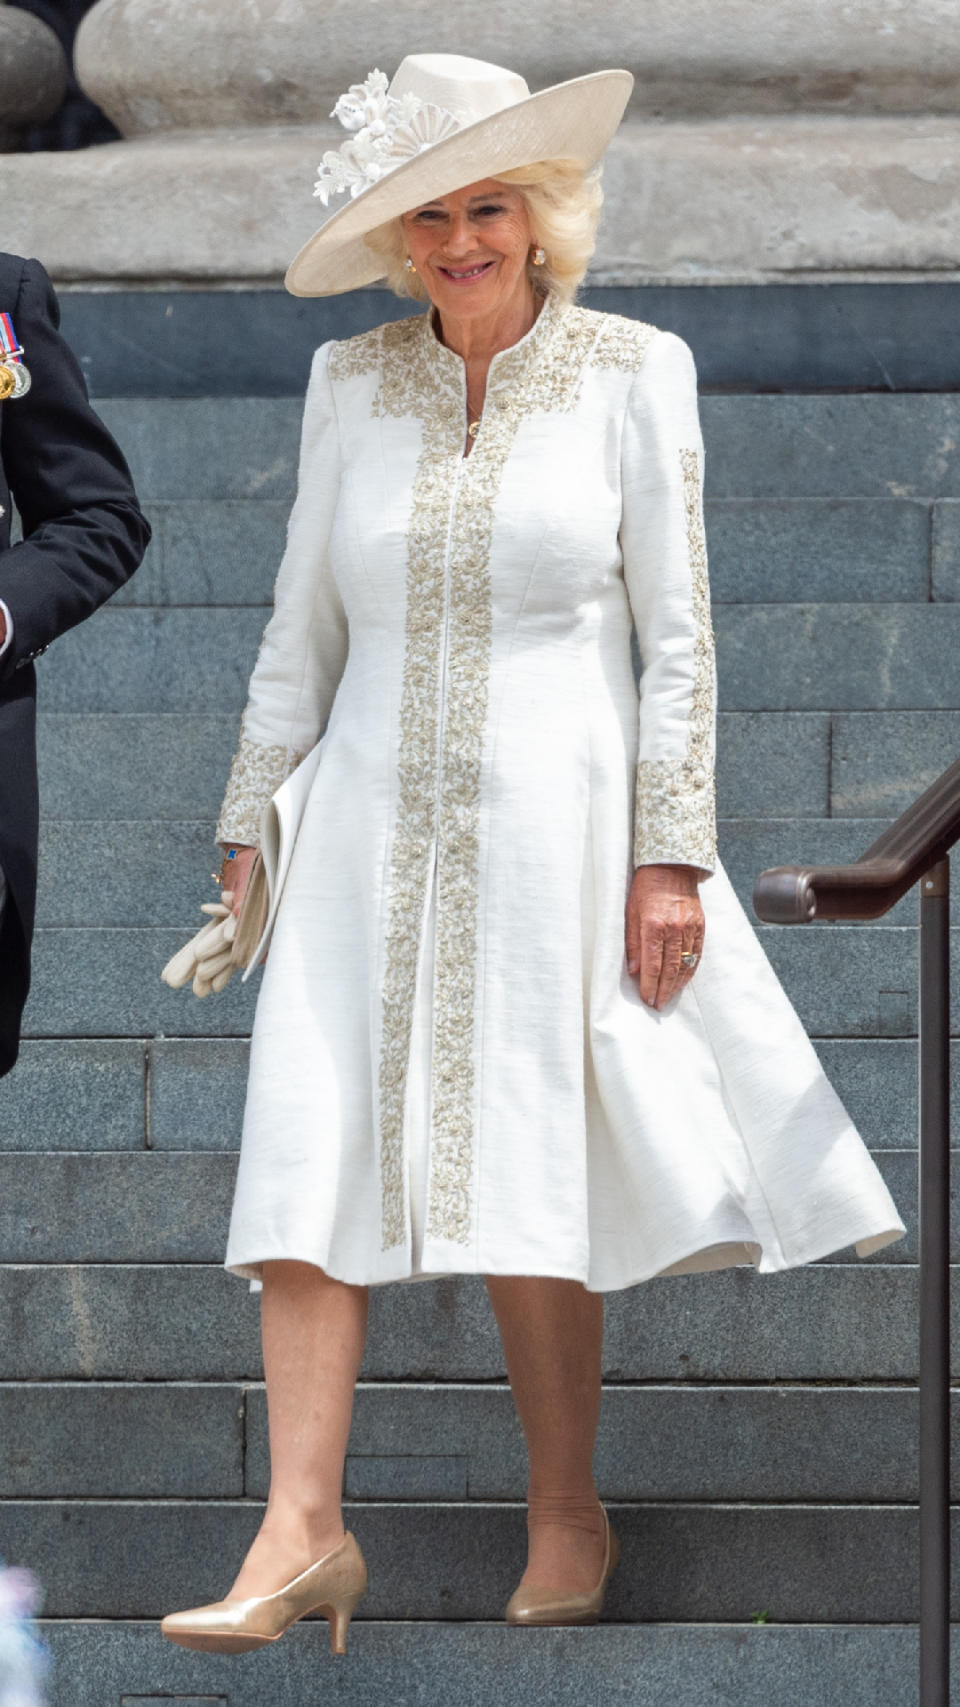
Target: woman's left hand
(664,921)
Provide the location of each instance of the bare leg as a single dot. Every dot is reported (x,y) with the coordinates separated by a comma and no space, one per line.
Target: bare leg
(552,1333)
(313,1332)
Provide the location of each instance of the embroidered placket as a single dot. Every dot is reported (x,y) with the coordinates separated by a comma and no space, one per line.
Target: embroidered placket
(443,709)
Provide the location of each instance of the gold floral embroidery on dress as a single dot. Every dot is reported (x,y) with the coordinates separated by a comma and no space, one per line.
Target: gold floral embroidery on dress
(409,386)
(353,357)
(675,819)
(444,703)
(256,773)
(541,374)
(622,343)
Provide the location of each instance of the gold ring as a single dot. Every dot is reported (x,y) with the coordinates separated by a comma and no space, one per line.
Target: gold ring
(690,959)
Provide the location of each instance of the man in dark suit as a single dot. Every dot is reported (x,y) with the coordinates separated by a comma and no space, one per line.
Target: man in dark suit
(83,536)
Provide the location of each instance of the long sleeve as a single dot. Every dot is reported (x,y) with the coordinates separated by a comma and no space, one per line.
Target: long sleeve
(83,532)
(304,647)
(665,567)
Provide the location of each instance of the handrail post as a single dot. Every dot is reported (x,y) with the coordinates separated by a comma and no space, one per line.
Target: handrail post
(934,1432)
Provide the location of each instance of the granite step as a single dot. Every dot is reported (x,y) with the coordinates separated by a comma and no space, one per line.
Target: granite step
(102,1663)
(829,1322)
(787,446)
(442,1441)
(844,980)
(687,1561)
(174,1206)
(188,1093)
(115,871)
(226,551)
(849,336)
(770,657)
(771,764)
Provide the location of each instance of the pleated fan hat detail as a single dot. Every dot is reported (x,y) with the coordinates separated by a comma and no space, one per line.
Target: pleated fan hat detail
(443,122)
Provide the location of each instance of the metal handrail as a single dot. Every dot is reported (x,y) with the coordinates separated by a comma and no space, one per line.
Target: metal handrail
(913,850)
(924,834)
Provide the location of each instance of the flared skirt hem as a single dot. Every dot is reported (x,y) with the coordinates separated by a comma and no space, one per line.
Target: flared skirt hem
(865,1241)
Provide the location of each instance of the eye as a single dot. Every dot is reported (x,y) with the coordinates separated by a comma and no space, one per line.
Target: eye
(493,208)
(427,215)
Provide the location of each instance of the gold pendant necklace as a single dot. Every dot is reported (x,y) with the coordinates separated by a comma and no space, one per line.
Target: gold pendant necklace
(473,429)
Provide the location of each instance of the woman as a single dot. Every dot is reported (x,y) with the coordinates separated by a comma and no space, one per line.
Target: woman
(460,1062)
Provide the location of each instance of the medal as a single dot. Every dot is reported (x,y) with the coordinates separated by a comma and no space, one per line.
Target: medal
(14,374)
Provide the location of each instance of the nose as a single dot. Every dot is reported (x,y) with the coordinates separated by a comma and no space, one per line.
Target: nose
(460,239)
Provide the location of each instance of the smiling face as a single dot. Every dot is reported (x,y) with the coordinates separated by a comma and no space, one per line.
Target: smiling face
(471,250)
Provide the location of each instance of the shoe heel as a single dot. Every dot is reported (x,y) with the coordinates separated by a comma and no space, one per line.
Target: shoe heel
(339,1617)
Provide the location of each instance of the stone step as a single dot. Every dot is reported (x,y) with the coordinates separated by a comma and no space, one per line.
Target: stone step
(845,981)
(174,1206)
(828,1322)
(445,1441)
(786,446)
(881,760)
(770,764)
(620,1665)
(770,657)
(94,1094)
(96,765)
(842,657)
(190,342)
(70,1094)
(106,983)
(223,447)
(831,549)
(226,551)
(194,661)
(111,872)
(685,1561)
(865,446)
(853,981)
(182,1439)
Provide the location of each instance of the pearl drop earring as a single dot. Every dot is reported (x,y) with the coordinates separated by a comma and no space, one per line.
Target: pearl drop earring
(409,266)
(539,256)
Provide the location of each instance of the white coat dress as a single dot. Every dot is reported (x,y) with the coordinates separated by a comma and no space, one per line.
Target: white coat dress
(451,1069)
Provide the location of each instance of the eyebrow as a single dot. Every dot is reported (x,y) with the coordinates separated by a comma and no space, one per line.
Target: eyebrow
(492,195)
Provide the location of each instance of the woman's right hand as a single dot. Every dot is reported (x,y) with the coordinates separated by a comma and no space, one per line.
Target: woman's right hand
(236,875)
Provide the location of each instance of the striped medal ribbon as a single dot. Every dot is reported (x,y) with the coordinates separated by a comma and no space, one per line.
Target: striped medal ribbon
(14,374)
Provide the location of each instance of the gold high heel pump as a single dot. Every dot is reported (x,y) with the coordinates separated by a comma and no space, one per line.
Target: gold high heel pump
(551,1606)
(332,1586)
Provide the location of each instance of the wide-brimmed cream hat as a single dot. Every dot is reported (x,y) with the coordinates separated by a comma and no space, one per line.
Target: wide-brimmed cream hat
(443,122)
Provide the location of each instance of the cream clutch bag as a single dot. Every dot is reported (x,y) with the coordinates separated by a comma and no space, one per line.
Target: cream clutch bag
(228,943)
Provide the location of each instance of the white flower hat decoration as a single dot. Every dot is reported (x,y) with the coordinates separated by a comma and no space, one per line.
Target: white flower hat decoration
(389,131)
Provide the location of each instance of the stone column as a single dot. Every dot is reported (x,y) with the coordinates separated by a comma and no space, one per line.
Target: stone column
(768,139)
(33,74)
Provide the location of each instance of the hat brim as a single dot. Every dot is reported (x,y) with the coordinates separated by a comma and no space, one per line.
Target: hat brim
(570,121)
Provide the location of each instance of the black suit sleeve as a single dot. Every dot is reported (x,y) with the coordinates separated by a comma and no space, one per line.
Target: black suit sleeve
(84,534)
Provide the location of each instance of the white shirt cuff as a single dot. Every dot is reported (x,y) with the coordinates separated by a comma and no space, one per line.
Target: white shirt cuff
(8,637)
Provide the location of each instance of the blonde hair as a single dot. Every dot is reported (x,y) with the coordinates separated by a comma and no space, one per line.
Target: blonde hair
(563,205)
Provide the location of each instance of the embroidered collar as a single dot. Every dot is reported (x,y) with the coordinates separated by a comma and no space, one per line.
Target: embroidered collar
(508,366)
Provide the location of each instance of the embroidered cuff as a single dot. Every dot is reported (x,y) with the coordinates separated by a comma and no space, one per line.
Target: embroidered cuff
(256,773)
(675,817)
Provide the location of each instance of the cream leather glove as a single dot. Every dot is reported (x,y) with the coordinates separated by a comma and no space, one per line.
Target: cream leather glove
(208,959)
